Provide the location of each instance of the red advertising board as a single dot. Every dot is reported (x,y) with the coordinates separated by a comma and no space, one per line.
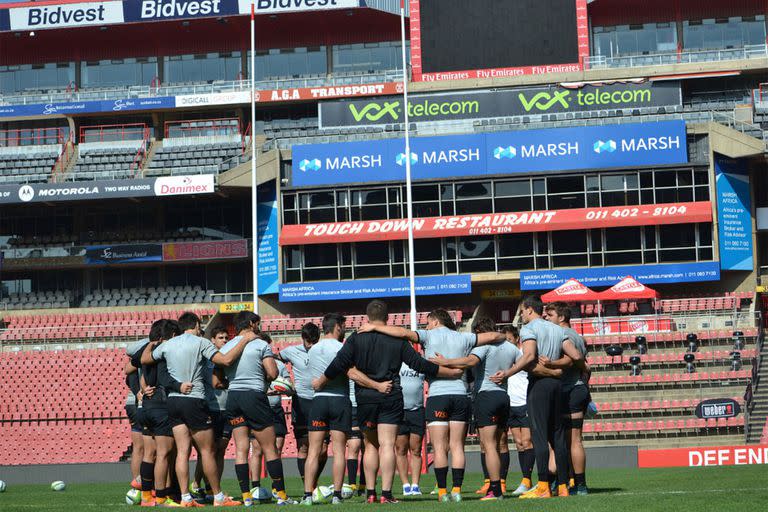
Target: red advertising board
(703,456)
(213,250)
(622,325)
(328,92)
(497,223)
(582,27)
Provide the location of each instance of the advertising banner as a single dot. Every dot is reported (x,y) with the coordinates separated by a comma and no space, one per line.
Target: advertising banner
(734,214)
(66,15)
(129,253)
(498,103)
(718,408)
(558,149)
(87,190)
(608,276)
(701,457)
(267,233)
(497,223)
(621,325)
(374,288)
(284,6)
(159,10)
(208,250)
(87,107)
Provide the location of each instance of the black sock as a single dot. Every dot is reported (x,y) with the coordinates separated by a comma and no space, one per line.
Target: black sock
(352,471)
(458,477)
(161,493)
(495,487)
(307,494)
(362,475)
(147,472)
(337,494)
(275,470)
(504,456)
(243,477)
(580,478)
(441,475)
(484,466)
(208,489)
(174,491)
(301,463)
(529,459)
(387,494)
(370,492)
(321,466)
(552,478)
(255,483)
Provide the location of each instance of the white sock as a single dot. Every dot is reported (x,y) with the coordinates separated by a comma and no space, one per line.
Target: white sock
(219,497)
(186,497)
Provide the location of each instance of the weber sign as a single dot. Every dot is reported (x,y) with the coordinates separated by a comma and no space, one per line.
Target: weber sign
(718,408)
(500,103)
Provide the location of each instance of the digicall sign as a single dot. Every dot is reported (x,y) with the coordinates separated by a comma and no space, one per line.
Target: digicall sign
(526,151)
(502,103)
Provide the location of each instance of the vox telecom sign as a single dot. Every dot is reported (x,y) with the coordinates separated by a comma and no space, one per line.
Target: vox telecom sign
(500,103)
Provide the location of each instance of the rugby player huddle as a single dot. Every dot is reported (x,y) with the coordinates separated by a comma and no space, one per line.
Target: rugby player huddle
(363,395)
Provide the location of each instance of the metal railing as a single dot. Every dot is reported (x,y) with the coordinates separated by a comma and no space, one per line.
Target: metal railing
(218,86)
(670,58)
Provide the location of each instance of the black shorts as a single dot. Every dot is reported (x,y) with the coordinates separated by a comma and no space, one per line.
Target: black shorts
(221,427)
(132,411)
(249,409)
(278,421)
(518,417)
(387,412)
(192,412)
(492,408)
(577,399)
(300,409)
(330,413)
(413,423)
(445,408)
(155,422)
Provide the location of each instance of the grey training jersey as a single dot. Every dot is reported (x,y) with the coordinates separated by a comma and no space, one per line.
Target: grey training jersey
(493,359)
(321,355)
(217,398)
(412,383)
(298,356)
(247,373)
(185,357)
(282,373)
(572,376)
(451,344)
(549,337)
(130,351)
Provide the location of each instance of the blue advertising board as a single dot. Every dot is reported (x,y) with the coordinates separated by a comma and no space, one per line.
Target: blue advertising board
(552,150)
(87,107)
(734,214)
(267,234)
(157,10)
(374,288)
(608,276)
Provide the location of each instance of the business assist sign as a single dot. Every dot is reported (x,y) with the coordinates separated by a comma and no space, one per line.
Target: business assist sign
(500,103)
(589,147)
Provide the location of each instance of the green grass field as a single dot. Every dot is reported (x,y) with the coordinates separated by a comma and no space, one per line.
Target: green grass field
(743,488)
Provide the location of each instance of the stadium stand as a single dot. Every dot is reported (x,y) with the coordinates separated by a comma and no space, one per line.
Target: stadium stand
(108,163)
(147,296)
(195,158)
(37,300)
(28,164)
(104,238)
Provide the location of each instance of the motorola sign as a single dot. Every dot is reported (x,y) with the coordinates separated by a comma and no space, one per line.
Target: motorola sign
(81,191)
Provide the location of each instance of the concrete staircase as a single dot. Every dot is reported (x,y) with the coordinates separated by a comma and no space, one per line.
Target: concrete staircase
(759,407)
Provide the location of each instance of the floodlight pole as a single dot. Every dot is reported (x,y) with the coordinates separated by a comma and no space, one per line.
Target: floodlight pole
(254,181)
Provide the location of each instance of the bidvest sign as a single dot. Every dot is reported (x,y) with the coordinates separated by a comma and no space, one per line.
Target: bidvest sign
(282,6)
(66,15)
(500,103)
(562,149)
(156,10)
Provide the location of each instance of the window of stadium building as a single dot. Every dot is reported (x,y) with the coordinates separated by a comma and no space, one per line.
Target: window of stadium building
(514,252)
(367,57)
(118,72)
(32,77)
(635,39)
(290,62)
(498,196)
(724,32)
(205,67)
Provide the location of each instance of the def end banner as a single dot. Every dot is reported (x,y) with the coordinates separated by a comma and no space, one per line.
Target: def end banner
(702,457)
